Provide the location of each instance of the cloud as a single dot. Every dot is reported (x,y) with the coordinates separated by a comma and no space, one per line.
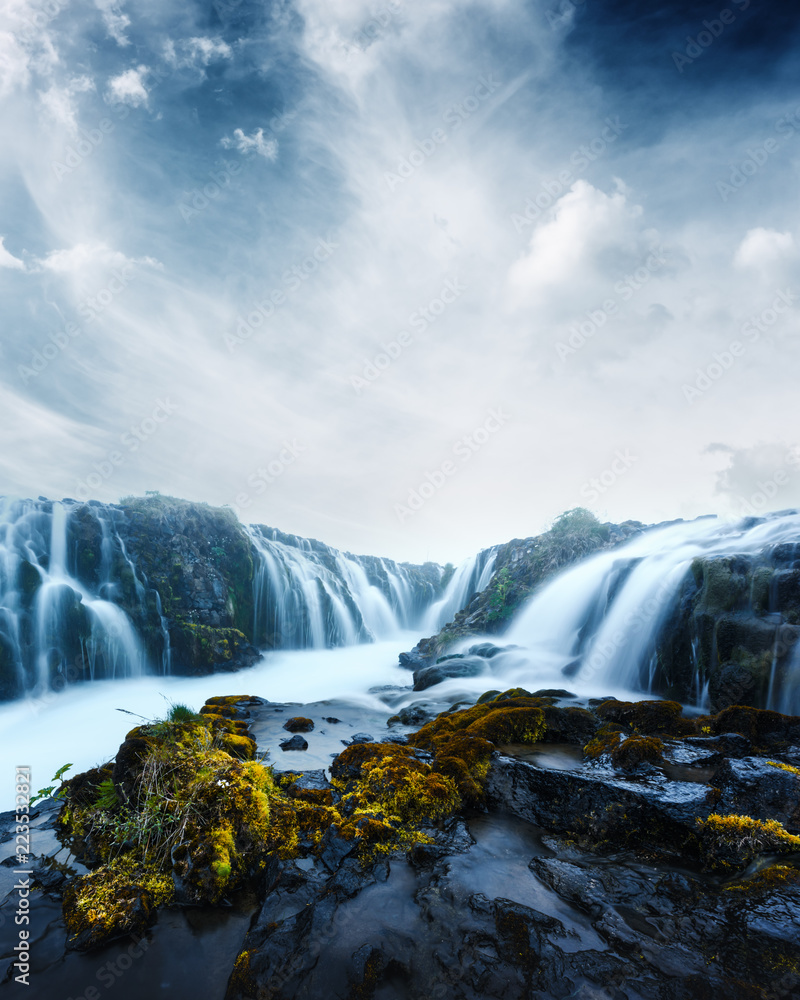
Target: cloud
(255,143)
(85,255)
(13,63)
(589,234)
(758,478)
(8,260)
(129,88)
(59,102)
(115,21)
(762,248)
(197,51)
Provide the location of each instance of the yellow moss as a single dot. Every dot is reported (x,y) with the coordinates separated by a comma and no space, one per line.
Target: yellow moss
(648,717)
(732,841)
(784,767)
(606,741)
(768,880)
(229,699)
(510,725)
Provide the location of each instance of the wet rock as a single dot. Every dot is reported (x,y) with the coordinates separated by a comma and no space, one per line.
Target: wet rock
(488,650)
(314,781)
(430,676)
(417,715)
(295,743)
(755,787)
(359,738)
(413,660)
(732,684)
(599,804)
(298,724)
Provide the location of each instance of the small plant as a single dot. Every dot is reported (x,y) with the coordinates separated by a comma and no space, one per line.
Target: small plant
(182,713)
(499,608)
(44,793)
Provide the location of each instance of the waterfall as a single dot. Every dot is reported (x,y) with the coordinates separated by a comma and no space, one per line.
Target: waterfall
(600,621)
(307,594)
(470,578)
(53,627)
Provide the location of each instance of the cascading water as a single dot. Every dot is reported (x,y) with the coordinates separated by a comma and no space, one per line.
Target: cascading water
(307,594)
(470,578)
(599,622)
(52,626)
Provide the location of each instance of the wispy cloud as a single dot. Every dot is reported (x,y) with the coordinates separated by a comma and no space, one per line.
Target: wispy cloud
(255,143)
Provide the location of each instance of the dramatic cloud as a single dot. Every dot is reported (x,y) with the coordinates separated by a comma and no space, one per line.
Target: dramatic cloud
(507,240)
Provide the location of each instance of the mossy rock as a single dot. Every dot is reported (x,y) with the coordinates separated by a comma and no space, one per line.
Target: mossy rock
(760,726)
(732,842)
(649,717)
(110,903)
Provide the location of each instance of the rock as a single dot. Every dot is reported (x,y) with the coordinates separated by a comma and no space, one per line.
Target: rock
(429,676)
(359,738)
(488,650)
(413,660)
(416,715)
(295,743)
(732,684)
(598,803)
(755,787)
(298,724)
(310,780)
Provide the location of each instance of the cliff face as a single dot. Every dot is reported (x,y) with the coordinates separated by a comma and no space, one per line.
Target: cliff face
(735,628)
(183,574)
(521,567)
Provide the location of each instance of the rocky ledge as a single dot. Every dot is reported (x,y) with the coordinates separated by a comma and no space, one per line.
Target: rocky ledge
(526,846)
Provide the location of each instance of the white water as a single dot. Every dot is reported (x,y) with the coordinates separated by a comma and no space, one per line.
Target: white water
(309,595)
(471,577)
(81,725)
(601,617)
(34,534)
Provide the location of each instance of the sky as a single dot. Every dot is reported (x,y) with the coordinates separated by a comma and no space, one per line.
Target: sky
(408,277)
